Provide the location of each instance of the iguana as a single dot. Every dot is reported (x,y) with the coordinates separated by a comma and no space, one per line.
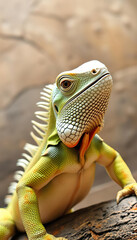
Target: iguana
(60,170)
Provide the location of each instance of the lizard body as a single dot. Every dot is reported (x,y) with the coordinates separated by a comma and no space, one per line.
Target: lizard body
(60,170)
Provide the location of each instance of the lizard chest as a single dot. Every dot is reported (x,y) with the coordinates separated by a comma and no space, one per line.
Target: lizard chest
(63,192)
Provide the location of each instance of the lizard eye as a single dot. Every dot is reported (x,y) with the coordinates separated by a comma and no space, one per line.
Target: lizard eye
(65,84)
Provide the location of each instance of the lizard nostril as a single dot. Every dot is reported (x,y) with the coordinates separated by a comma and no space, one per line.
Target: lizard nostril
(94,71)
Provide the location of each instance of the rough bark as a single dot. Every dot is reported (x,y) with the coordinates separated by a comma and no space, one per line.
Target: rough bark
(105,221)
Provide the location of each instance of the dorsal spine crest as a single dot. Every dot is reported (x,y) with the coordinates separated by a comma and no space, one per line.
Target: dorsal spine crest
(40,129)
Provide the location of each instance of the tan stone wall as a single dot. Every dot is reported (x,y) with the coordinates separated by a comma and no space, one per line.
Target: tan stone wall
(38,40)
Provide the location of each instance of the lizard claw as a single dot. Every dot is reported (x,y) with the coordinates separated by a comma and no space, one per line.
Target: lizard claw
(128,190)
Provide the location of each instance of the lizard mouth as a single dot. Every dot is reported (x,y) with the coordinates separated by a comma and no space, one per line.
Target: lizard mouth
(92,84)
(84,89)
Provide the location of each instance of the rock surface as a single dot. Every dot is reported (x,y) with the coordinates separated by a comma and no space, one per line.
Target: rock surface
(38,40)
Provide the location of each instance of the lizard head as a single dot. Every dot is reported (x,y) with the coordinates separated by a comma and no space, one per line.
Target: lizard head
(80,99)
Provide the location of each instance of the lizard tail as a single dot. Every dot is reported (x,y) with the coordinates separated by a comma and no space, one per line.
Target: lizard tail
(7,225)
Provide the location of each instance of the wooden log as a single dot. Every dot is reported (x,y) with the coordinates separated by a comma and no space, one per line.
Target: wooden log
(104,221)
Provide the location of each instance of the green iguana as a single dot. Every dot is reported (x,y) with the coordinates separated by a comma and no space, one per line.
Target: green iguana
(60,170)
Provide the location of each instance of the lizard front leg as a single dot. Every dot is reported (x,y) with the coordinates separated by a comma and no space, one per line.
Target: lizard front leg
(33,180)
(118,170)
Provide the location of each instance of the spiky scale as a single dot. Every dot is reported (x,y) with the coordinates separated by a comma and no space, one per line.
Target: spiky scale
(12,187)
(36,138)
(42,118)
(22,160)
(7,199)
(17,175)
(48,91)
(42,134)
(43,106)
(39,125)
(42,113)
(32,149)
(44,98)
(46,95)
(49,86)
(19,172)
(21,164)
(25,155)
(44,103)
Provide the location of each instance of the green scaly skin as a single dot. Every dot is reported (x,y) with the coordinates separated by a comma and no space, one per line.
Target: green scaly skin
(63,162)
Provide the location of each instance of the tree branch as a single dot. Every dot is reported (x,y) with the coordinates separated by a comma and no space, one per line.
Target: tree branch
(102,221)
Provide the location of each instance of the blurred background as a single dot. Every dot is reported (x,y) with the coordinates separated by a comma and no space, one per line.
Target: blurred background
(41,38)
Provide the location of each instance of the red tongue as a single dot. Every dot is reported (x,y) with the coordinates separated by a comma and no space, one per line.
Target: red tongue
(86,140)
